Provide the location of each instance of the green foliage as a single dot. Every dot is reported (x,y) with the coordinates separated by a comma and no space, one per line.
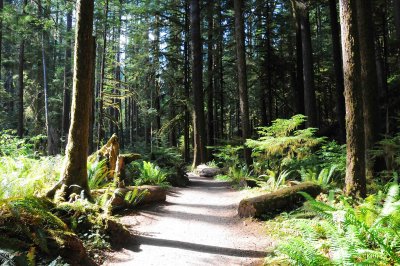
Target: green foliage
(283,141)
(323,178)
(228,155)
(35,176)
(98,174)
(10,145)
(134,197)
(272,181)
(238,174)
(27,222)
(87,220)
(388,149)
(345,234)
(151,174)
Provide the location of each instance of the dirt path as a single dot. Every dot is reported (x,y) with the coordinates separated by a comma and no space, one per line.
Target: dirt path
(196,226)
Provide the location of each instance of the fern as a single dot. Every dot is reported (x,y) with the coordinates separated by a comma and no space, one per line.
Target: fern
(98,174)
(273,181)
(151,174)
(283,141)
(135,196)
(346,234)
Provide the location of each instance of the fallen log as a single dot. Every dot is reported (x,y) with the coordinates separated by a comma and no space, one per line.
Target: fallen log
(281,200)
(155,194)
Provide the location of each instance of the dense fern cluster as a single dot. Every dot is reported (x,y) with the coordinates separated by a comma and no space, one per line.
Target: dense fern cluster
(284,151)
(343,233)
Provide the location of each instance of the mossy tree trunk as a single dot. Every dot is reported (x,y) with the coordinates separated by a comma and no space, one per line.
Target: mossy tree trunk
(355,162)
(369,79)
(74,174)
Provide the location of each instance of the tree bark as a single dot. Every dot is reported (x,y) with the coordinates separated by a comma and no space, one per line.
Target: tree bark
(186,133)
(396,10)
(210,76)
(20,130)
(74,174)
(299,90)
(369,79)
(1,38)
(197,84)
(67,80)
(308,67)
(242,76)
(157,85)
(100,126)
(338,63)
(92,98)
(355,161)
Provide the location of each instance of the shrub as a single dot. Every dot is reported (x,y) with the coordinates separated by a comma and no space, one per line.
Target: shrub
(150,174)
(283,141)
(344,233)
(34,175)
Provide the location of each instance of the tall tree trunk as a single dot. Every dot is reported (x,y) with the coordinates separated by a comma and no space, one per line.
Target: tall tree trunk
(210,76)
(1,38)
(197,84)
(186,49)
(268,63)
(338,63)
(355,162)
(67,80)
(117,102)
(157,85)
(396,10)
(20,130)
(264,63)
(220,48)
(100,126)
(74,174)
(51,147)
(299,90)
(369,79)
(242,76)
(308,67)
(92,147)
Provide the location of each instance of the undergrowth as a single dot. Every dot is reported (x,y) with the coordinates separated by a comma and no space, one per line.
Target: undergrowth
(340,231)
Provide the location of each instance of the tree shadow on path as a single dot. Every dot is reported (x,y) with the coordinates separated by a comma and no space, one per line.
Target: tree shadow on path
(151,241)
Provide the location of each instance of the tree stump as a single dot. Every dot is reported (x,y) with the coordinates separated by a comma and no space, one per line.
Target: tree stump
(110,152)
(281,200)
(122,160)
(115,161)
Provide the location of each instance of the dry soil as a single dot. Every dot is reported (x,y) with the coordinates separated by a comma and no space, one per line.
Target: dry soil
(197,225)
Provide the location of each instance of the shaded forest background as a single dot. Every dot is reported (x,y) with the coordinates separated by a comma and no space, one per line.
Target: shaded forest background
(143,71)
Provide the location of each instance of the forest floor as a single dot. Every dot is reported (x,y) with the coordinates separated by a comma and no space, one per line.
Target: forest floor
(197,225)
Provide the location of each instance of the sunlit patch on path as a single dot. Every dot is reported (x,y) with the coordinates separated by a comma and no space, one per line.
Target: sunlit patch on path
(197,225)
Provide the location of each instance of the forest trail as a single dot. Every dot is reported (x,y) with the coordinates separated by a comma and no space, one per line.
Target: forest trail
(197,225)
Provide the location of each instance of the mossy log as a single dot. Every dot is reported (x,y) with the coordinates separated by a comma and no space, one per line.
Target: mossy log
(284,199)
(155,194)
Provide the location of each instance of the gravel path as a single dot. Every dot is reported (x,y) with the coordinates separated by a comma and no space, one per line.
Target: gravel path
(196,226)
